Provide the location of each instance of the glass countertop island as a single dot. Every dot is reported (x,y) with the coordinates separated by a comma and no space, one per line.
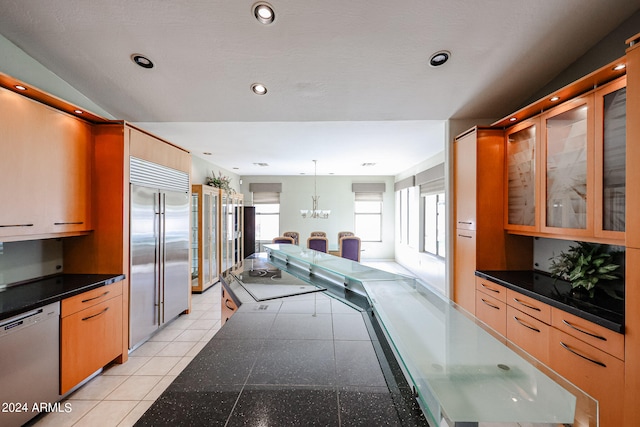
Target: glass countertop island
(460,371)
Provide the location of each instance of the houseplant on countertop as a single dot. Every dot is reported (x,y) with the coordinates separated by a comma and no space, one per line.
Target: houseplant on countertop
(584,266)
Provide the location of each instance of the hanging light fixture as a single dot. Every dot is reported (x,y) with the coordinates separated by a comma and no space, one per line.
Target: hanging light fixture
(315,212)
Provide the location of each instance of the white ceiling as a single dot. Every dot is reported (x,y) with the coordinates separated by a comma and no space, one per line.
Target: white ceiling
(348,81)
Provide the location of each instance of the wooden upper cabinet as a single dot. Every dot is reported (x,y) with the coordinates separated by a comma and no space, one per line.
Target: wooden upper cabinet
(69,150)
(568,166)
(45,157)
(610,159)
(522,148)
(465,158)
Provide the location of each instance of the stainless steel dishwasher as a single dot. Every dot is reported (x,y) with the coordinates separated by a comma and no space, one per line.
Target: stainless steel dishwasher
(29,363)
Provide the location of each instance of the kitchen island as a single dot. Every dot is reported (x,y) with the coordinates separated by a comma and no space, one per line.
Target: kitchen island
(292,358)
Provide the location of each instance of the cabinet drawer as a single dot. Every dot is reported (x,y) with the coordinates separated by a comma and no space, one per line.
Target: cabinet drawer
(532,307)
(89,298)
(596,335)
(596,372)
(229,306)
(491,311)
(498,292)
(529,334)
(89,339)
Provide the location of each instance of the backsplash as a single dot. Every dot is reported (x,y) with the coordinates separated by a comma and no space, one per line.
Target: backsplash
(20,261)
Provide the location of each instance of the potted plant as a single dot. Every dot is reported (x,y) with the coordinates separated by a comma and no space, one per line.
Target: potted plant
(584,266)
(220,181)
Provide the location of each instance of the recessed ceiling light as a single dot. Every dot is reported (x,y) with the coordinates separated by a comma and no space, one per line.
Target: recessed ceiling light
(259,89)
(368,164)
(264,13)
(20,87)
(439,58)
(513,119)
(142,60)
(554,98)
(619,67)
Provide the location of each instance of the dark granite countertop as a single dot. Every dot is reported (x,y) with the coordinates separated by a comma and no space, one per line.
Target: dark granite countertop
(37,293)
(603,309)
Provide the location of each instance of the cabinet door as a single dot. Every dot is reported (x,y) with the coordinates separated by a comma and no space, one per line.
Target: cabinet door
(530,306)
(464,288)
(597,373)
(567,144)
(491,311)
(69,148)
(464,178)
(528,333)
(206,238)
(23,164)
(229,306)
(610,159)
(196,230)
(521,189)
(90,339)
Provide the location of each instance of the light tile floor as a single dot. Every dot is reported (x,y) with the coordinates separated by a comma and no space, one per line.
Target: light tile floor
(122,393)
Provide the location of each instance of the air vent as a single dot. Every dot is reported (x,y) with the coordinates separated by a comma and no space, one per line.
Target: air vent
(261,164)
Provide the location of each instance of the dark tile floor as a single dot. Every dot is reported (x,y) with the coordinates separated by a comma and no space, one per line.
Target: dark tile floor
(304,360)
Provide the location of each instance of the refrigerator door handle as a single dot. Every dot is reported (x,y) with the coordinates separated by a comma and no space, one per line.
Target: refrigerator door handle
(157,220)
(163,257)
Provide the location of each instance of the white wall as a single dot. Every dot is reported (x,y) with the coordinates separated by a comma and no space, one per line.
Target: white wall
(201,168)
(334,193)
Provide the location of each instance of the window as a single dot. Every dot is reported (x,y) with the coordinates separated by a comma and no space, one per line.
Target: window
(368,216)
(267,221)
(434,223)
(266,199)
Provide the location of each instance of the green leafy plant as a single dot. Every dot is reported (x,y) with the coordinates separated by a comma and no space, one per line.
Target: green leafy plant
(584,266)
(220,181)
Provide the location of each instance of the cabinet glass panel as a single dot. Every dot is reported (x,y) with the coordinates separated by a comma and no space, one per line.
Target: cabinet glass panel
(206,241)
(194,239)
(567,169)
(521,190)
(614,162)
(213,237)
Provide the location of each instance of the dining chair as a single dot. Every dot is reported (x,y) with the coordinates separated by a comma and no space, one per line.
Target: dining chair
(282,239)
(294,235)
(318,243)
(350,248)
(318,234)
(342,234)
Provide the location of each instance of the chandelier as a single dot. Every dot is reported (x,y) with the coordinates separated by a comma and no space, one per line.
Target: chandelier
(315,212)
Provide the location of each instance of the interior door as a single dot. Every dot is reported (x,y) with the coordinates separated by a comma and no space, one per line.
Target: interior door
(143,276)
(175,270)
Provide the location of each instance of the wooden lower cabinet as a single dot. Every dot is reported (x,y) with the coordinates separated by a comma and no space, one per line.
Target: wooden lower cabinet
(492,312)
(90,334)
(229,306)
(464,267)
(597,373)
(528,333)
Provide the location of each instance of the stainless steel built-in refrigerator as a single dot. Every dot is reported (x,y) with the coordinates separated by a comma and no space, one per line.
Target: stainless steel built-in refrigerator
(159,274)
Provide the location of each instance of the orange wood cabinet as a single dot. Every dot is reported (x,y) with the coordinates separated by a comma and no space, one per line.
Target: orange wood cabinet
(492,312)
(90,333)
(205,238)
(528,333)
(597,373)
(46,157)
(478,210)
(492,289)
(229,306)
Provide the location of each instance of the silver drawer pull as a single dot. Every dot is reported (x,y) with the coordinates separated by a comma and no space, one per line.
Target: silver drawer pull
(489,289)
(226,303)
(526,305)
(489,304)
(69,223)
(583,331)
(566,347)
(464,235)
(522,322)
(99,296)
(15,225)
(465,222)
(95,315)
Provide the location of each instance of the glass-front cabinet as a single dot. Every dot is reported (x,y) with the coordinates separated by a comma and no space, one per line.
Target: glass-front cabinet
(611,107)
(231,227)
(521,149)
(205,265)
(567,147)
